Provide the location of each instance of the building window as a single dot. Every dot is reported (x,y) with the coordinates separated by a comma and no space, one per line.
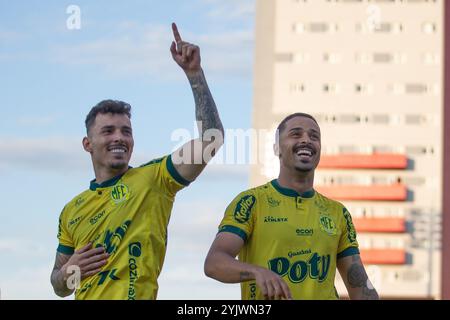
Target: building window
(429,27)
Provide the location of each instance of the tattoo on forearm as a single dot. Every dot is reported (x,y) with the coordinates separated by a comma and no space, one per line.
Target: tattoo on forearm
(205,107)
(357,278)
(244,276)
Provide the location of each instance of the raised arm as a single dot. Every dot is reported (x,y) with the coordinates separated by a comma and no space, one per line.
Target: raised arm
(221,264)
(191,158)
(355,278)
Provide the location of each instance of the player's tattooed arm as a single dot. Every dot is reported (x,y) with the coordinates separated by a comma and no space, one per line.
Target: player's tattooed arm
(245,276)
(187,56)
(191,158)
(58,279)
(87,260)
(206,112)
(356,279)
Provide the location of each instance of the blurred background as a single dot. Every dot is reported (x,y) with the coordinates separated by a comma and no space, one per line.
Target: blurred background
(371,72)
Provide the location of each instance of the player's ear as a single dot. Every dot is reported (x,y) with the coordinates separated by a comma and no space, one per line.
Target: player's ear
(276,145)
(276,149)
(87,144)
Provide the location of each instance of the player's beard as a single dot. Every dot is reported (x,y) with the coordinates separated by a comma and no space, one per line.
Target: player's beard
(304,170)
(119,165)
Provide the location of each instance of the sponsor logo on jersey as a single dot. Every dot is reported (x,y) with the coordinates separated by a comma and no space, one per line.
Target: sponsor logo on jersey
(244,208)
(321,205)
(316,267)
(78,202)
(97,217)
(252,288)
(74,221)
(113,239)
(304,232)
(120,193)
(275,219)
(351,233)
(298,253)
(134,250)
(327,225)
(272,202)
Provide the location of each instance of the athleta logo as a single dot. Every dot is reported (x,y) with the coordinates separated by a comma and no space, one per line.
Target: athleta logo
(120,193)
(244,208)
(316,268)
(273,219)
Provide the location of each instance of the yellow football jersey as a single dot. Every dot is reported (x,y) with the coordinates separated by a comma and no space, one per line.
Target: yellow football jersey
(127,215)
(297,236)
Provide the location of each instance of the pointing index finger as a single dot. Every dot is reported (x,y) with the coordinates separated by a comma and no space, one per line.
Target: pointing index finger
(176,34)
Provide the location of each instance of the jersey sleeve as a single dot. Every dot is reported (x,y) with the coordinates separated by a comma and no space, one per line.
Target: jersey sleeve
(348,245)
(65,243)
(240,216)
(163,173)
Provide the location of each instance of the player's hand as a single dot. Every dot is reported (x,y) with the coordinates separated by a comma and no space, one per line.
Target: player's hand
(185,54)
(89,260)
(272,286)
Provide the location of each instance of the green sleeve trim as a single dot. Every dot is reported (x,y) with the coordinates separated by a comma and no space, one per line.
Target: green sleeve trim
(65,249)
(232,229)
(174,173)
(158,160)
(348,252)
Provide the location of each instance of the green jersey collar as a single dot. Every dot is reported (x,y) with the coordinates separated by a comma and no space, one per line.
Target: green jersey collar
(108,183)
(290,192)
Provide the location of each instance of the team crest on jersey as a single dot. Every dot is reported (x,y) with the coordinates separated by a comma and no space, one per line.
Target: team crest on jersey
(272,202)
(244,208)
(120,193)
(327,225)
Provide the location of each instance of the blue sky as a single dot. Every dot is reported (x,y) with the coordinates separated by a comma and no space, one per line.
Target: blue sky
(50,78)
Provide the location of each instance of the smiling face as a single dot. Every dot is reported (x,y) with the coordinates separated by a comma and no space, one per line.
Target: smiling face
(110,142)
(299,144)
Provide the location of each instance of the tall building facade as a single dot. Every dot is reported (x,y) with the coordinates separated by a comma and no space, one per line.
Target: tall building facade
(372,74)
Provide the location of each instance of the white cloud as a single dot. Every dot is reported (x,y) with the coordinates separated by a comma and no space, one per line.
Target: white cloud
(144,50)
(8,35)
(40,121)
(230,9)
(27,282)
(67,154)
(22,247)
(52,153)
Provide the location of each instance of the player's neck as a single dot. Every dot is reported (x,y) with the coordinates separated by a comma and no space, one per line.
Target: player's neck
(102,175)
(298,181)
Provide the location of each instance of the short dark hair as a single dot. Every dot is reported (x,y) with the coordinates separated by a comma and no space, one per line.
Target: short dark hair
(107,106)
(282,124)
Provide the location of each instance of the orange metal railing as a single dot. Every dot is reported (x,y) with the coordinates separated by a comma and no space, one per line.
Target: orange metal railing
(383,256)
(393,192)
(364,161)
(381,224)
